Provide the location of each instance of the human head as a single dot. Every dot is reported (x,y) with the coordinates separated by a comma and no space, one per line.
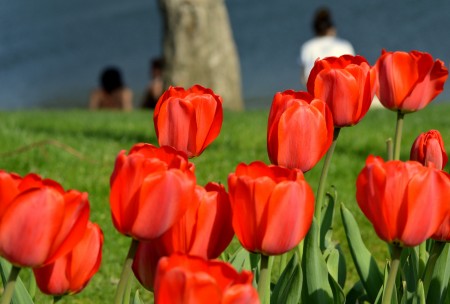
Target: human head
(323,22)
(111,79)
(156,66)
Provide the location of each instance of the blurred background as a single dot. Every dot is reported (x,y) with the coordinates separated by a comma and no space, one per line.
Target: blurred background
(51,51)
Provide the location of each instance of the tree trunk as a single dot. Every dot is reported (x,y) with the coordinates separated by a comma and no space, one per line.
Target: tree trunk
(199,48)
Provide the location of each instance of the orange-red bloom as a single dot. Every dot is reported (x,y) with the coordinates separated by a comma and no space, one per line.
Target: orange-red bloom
(204,231)
(272,207)
(300,130)
(9,188)
(72,272)
(151,189)
(345,84)
(188,120)
(408,81)
(405,201)
(189,280)
(429,147)
(42,222)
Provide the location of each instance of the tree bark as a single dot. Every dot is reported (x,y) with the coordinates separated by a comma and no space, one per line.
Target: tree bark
(198,48)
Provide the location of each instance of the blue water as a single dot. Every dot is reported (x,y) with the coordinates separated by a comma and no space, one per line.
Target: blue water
(51,51)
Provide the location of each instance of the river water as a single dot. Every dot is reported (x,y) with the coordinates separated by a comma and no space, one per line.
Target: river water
(51,51)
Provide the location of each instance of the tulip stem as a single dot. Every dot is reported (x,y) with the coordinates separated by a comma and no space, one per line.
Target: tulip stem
(264,279)
(126,273)
(390,284)
(10,285)
(323,177)
(283,262)
(436,251)
(398,135)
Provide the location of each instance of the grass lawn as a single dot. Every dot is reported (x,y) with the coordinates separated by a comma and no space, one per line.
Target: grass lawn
(77,148)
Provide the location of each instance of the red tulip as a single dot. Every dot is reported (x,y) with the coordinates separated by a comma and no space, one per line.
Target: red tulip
(429,147)
(151,189)
(272,207)
(9,188)
(188,120)
(72,272)
(405,201)
(345,84)
(184,279)
(300,130)
(42,222)
(408,81)
(204,231)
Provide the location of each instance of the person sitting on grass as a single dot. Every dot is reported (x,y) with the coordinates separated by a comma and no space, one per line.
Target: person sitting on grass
(112,93)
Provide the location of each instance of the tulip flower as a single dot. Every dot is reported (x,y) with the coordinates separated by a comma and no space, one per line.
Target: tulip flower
(300,130)
(204,231)
(429,147)
(42,222)
(71,273)
(188,120)
(189,280)
(405,201)
(345,84)
(272,207)
(9,188)
(151,189)
(407,82)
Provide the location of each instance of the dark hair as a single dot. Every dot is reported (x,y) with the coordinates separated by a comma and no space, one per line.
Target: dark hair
(157,63)
(322,21)
(111,79)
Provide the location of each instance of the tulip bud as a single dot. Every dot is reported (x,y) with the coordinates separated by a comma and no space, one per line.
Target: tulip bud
(429,147)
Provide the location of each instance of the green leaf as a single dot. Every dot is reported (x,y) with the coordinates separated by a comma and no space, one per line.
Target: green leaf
(326,223)
(21,295)
(357,294)
(366,265)
(338,293)
(337,267)
(137,298)
(289,286)
(240,259)
(316,288)
(437,291)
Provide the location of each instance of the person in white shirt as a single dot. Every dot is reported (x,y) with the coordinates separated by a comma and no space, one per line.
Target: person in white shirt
(324,44)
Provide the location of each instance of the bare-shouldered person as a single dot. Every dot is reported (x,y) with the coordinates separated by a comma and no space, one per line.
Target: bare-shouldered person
(112,94)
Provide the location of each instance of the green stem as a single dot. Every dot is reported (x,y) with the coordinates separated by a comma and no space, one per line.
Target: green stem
(436,251)
(390,284)
(264,279)
(398,135)
(323,178)
(390,152)
(126,273)
(10,285)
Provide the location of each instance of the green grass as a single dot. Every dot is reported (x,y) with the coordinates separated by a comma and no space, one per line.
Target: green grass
(97,137)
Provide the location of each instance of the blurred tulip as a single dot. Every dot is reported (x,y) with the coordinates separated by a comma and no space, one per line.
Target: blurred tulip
(151,189)
(345,84)
(408,81)
(9,189)
(189,280)
(272,207)
(300,130)
(405,201)
(42,222)
(429,147)
(188,120)
(72,272)
(204,231)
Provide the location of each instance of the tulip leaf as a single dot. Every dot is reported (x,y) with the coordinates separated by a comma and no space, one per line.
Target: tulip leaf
(137,298)
(21,295)
(410,272)
(289,286)
(357,294)
(437,290)
(326,222)
(240,259)
(336,265)
(316,287)
(366,265)
(338,293)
